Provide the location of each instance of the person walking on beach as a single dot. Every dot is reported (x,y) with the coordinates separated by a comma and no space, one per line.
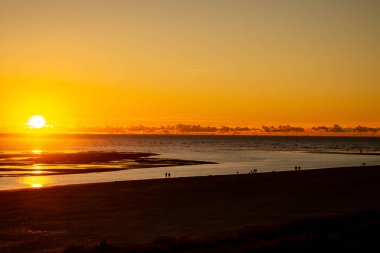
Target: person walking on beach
(169,175)
(166,175)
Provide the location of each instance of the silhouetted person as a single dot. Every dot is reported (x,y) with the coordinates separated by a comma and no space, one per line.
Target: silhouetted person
(103,244)
(166,175)
(169,175)
(295,168)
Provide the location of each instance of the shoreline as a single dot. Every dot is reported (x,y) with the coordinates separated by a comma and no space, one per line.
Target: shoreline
(258,174)
(140,211)
(344,153)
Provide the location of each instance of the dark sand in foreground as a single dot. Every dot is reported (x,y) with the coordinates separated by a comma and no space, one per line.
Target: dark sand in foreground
(51,219)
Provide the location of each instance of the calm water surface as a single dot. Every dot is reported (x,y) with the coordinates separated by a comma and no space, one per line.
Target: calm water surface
(232,153)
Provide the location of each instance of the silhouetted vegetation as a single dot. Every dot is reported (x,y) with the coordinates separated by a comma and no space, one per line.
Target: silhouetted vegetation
(349,233)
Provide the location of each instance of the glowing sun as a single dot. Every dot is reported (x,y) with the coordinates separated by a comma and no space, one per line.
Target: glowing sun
(36,121)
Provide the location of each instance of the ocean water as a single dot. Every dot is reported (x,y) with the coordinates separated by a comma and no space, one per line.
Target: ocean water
(233,154)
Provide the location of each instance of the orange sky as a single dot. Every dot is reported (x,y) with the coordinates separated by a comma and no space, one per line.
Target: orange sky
(223,62)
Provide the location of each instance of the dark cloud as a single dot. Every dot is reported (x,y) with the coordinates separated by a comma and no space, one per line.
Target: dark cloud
(282,129)
(195,128)
(363,129)
(338,129)
(184,128)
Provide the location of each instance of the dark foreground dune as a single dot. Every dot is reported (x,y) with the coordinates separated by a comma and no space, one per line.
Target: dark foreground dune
(125,213)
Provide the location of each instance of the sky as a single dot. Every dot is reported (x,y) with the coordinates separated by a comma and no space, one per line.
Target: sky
(163,62)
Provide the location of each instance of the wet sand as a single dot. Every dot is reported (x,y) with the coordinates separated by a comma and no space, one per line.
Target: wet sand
(51,219)
(345,153)
(27,164)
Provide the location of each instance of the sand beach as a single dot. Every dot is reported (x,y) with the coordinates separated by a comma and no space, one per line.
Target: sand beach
(51,219)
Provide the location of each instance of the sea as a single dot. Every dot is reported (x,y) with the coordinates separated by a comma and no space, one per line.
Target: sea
(231,154)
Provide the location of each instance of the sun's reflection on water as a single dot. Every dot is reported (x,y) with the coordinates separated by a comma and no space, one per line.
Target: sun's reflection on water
(35,181)
(36,169)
